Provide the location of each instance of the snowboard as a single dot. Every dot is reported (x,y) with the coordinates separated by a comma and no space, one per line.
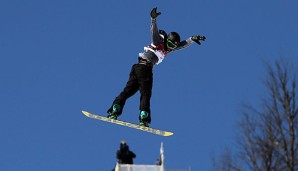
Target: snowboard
(128,124)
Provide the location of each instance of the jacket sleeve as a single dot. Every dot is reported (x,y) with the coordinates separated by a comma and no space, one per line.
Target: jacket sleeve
(183,44)
(118,155)
(156,38)
(133,155)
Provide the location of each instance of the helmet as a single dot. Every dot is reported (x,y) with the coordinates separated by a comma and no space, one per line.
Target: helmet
(174,37)
(173,40)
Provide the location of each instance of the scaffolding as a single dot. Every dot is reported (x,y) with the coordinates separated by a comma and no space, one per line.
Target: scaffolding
(137,167)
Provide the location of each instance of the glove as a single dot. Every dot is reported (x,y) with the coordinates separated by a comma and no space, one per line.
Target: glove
(154,14)
(198,38)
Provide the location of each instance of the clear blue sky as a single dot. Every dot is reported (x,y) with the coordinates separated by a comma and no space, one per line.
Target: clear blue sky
(59,57)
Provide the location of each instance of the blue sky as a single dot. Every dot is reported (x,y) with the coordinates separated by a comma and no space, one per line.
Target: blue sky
(59,57)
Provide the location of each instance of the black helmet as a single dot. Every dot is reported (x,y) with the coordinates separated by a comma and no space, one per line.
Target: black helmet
(174,37)
(173,40)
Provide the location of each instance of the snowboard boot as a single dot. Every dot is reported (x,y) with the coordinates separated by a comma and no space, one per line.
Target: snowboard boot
(144,119)
(115,112)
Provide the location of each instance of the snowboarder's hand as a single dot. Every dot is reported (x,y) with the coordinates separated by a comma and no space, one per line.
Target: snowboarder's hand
(154,14)
(198,38)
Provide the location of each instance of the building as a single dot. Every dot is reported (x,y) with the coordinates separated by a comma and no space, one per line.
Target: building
(138,167)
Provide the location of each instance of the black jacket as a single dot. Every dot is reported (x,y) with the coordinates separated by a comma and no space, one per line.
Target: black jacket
(125,156)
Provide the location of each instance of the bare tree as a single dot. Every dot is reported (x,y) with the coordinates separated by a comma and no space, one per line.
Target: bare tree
(269,133)
(283,110)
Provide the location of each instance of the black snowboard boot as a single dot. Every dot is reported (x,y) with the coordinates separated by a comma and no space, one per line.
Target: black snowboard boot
(114,113)
(144,119)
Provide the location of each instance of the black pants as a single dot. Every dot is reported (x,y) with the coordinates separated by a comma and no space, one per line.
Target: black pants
(140,78)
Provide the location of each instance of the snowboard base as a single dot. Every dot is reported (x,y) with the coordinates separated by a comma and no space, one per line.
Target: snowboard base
(128,124)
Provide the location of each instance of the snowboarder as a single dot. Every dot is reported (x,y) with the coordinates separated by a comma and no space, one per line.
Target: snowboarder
(141,76)
(124,155)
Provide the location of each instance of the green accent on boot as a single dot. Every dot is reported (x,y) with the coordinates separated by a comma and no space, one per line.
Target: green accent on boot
(116,108)
(145,124)
(111,116)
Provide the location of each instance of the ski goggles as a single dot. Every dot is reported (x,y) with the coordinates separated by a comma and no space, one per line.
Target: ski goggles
(171,45)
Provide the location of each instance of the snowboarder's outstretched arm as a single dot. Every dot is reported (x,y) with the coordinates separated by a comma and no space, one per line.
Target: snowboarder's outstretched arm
(189,41)
(156,39)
